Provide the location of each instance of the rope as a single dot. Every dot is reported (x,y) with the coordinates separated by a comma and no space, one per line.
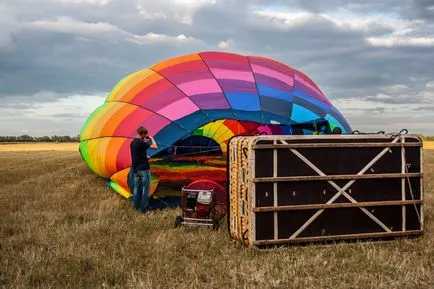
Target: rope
(401,132)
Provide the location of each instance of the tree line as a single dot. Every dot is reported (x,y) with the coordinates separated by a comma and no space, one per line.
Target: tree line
(28,138)
(67,138)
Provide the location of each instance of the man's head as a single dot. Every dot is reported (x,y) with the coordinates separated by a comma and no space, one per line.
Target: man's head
(142,132)
(337,130)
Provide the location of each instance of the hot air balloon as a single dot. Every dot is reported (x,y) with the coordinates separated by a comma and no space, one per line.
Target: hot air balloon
(193,105)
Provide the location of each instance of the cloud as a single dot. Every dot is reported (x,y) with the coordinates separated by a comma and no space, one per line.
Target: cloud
(37,117)
(396,99)
(366,116)
(182,11)
(374,53)
(430,84)
(341,19)
(227,44)
(94,2)
(401,41)
(69,25)
(154,38)
(396,88)
(8,28)
(290,19)
(105,30)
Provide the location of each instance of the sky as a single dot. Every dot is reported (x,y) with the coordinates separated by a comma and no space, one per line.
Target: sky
(60,58)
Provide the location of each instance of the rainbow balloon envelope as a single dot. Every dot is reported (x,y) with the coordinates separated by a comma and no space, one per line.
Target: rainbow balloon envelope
(193,105)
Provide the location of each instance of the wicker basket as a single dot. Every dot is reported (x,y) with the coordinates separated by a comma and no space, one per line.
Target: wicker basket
(293,189)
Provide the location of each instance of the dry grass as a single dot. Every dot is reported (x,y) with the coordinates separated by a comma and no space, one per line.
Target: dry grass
(61,227)
(429,145)
(32,147)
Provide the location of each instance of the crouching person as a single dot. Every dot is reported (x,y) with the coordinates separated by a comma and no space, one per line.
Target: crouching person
(140,165)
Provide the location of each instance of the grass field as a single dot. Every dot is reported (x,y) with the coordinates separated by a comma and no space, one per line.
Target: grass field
(60,226)
(429,145)
(32,147)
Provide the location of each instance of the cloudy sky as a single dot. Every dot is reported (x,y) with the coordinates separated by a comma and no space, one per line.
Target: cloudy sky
(60,58)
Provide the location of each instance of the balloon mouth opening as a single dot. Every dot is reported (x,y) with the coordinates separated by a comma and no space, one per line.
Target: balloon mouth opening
(193,146)
(211,139)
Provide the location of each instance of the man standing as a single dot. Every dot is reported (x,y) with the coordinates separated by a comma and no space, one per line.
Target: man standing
(142,176)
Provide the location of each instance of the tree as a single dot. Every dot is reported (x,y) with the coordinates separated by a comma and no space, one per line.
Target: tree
(43,139)
(25,138)
(55,138)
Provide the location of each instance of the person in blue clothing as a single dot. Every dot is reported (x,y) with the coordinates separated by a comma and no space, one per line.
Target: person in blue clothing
(140,165)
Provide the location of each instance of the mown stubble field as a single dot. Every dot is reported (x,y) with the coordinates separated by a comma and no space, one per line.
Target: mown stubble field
(61,227)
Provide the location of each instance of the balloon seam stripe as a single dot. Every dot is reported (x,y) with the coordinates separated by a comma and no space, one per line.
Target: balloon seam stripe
(256,86)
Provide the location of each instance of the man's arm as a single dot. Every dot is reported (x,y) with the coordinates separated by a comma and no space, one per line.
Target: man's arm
(153,145)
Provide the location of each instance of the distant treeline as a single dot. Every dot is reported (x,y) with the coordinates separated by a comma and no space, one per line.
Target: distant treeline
(27,138)
(67,138)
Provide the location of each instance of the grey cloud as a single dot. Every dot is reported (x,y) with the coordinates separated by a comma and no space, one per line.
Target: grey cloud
(376,110)
(423,9)
(339,60)
(14,105)
(69,115)
(40,126)
(397,99)
(424,108)
(68,64)
(388,123)
(28,101)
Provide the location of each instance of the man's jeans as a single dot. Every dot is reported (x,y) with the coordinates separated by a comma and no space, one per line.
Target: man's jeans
(142,182)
